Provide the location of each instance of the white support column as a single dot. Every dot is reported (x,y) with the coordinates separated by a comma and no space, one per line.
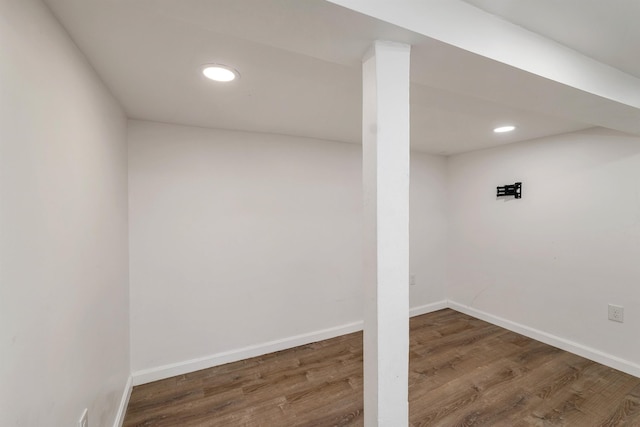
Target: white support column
(385,140)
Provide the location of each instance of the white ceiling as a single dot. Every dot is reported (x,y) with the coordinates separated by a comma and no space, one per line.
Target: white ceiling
(607,31)
(300,71)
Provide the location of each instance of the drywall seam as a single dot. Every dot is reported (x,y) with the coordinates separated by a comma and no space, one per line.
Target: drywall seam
(553,340)
(124,402)
(166,371)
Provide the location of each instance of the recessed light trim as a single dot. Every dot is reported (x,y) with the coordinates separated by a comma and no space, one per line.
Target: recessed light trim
(220,73)
(503,129)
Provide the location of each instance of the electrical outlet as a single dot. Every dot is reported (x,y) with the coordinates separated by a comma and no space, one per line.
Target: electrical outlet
(616,313)
(84,419)
(412,280)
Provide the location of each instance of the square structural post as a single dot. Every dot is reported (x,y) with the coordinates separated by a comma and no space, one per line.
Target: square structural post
(385,140)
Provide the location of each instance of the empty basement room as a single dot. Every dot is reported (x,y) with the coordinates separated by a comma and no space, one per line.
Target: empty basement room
(319,213)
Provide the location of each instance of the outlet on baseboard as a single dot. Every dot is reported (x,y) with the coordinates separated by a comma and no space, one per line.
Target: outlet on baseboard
(412,280)
(84,419)
(616,313)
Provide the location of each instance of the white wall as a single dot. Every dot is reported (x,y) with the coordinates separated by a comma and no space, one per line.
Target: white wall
(428,227)
(554,259)
(64,342)
(238,239)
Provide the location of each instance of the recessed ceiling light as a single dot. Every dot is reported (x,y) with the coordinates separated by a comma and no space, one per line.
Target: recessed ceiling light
(503,129)
(219,73)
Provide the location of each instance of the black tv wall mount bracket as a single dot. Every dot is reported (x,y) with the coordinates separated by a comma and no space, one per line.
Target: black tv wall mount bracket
(514,190)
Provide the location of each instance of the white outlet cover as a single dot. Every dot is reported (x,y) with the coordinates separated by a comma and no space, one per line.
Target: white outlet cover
(616,313)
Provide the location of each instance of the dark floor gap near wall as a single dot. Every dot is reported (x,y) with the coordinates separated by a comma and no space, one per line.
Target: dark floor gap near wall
(463,371)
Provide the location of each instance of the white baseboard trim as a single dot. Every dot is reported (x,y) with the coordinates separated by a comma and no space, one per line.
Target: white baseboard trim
(428,308)
(153,374)
(161,372)
(148,375)
(564,344)
(124,402)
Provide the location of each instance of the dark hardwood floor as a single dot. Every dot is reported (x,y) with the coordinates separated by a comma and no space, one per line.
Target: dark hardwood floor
(463,372)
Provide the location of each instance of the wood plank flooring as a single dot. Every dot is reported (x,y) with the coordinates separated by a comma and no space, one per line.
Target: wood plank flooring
(463,372)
